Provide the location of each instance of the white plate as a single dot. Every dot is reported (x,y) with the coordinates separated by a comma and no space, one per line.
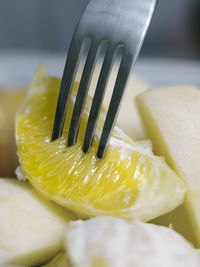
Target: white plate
(16,68)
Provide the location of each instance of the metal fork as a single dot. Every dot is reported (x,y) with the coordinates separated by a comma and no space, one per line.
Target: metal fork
(120,23)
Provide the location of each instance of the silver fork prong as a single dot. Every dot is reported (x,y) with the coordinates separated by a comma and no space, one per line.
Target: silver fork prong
(120,84)
(82,91)
(66,85)
(119,21)
(98,96)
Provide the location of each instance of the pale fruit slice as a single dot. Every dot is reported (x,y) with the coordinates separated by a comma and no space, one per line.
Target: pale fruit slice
(128,118)
(60,260)
(9,102)
(32,228)
(128,182)
(171,117)
(179,221)
(114,242)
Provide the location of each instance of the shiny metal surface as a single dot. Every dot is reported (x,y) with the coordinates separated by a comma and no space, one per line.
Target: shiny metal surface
(121,23)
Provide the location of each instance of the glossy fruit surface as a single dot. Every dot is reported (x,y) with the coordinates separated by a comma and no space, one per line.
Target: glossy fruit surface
(128,182)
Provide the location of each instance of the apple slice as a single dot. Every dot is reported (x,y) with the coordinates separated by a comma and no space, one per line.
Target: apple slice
(172,120)
(114,242)
(128,118)
(32,228)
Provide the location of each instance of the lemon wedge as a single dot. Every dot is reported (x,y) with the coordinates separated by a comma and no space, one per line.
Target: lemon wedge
(128,182)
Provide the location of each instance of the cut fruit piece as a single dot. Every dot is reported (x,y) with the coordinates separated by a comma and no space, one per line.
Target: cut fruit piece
(171,117)
(128,118)
(114,242)
(128,182)
(9,102)
(61,260)
(179,221)
(32,228)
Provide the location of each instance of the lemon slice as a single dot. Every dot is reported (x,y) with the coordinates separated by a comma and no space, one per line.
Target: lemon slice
(114,242)
(129,181)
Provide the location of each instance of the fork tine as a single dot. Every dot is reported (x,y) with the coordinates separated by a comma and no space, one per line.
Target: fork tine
(98,96)
(82,92)
(66,85)
(120,85)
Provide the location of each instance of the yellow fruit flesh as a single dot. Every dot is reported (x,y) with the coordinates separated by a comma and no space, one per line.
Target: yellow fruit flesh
(79,181)
(36,127)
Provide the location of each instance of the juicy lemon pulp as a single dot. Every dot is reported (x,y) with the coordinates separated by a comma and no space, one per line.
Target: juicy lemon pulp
(58,167)
(76,180)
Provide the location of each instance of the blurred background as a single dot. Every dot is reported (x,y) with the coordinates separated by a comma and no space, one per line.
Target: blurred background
(40,31)
(49,24)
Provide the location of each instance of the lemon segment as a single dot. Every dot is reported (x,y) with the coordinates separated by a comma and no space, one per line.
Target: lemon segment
(128,182)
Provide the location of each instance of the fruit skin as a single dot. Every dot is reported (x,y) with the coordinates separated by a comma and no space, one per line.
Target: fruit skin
(171,118)
(114,242)
(32,228)
(46,163)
